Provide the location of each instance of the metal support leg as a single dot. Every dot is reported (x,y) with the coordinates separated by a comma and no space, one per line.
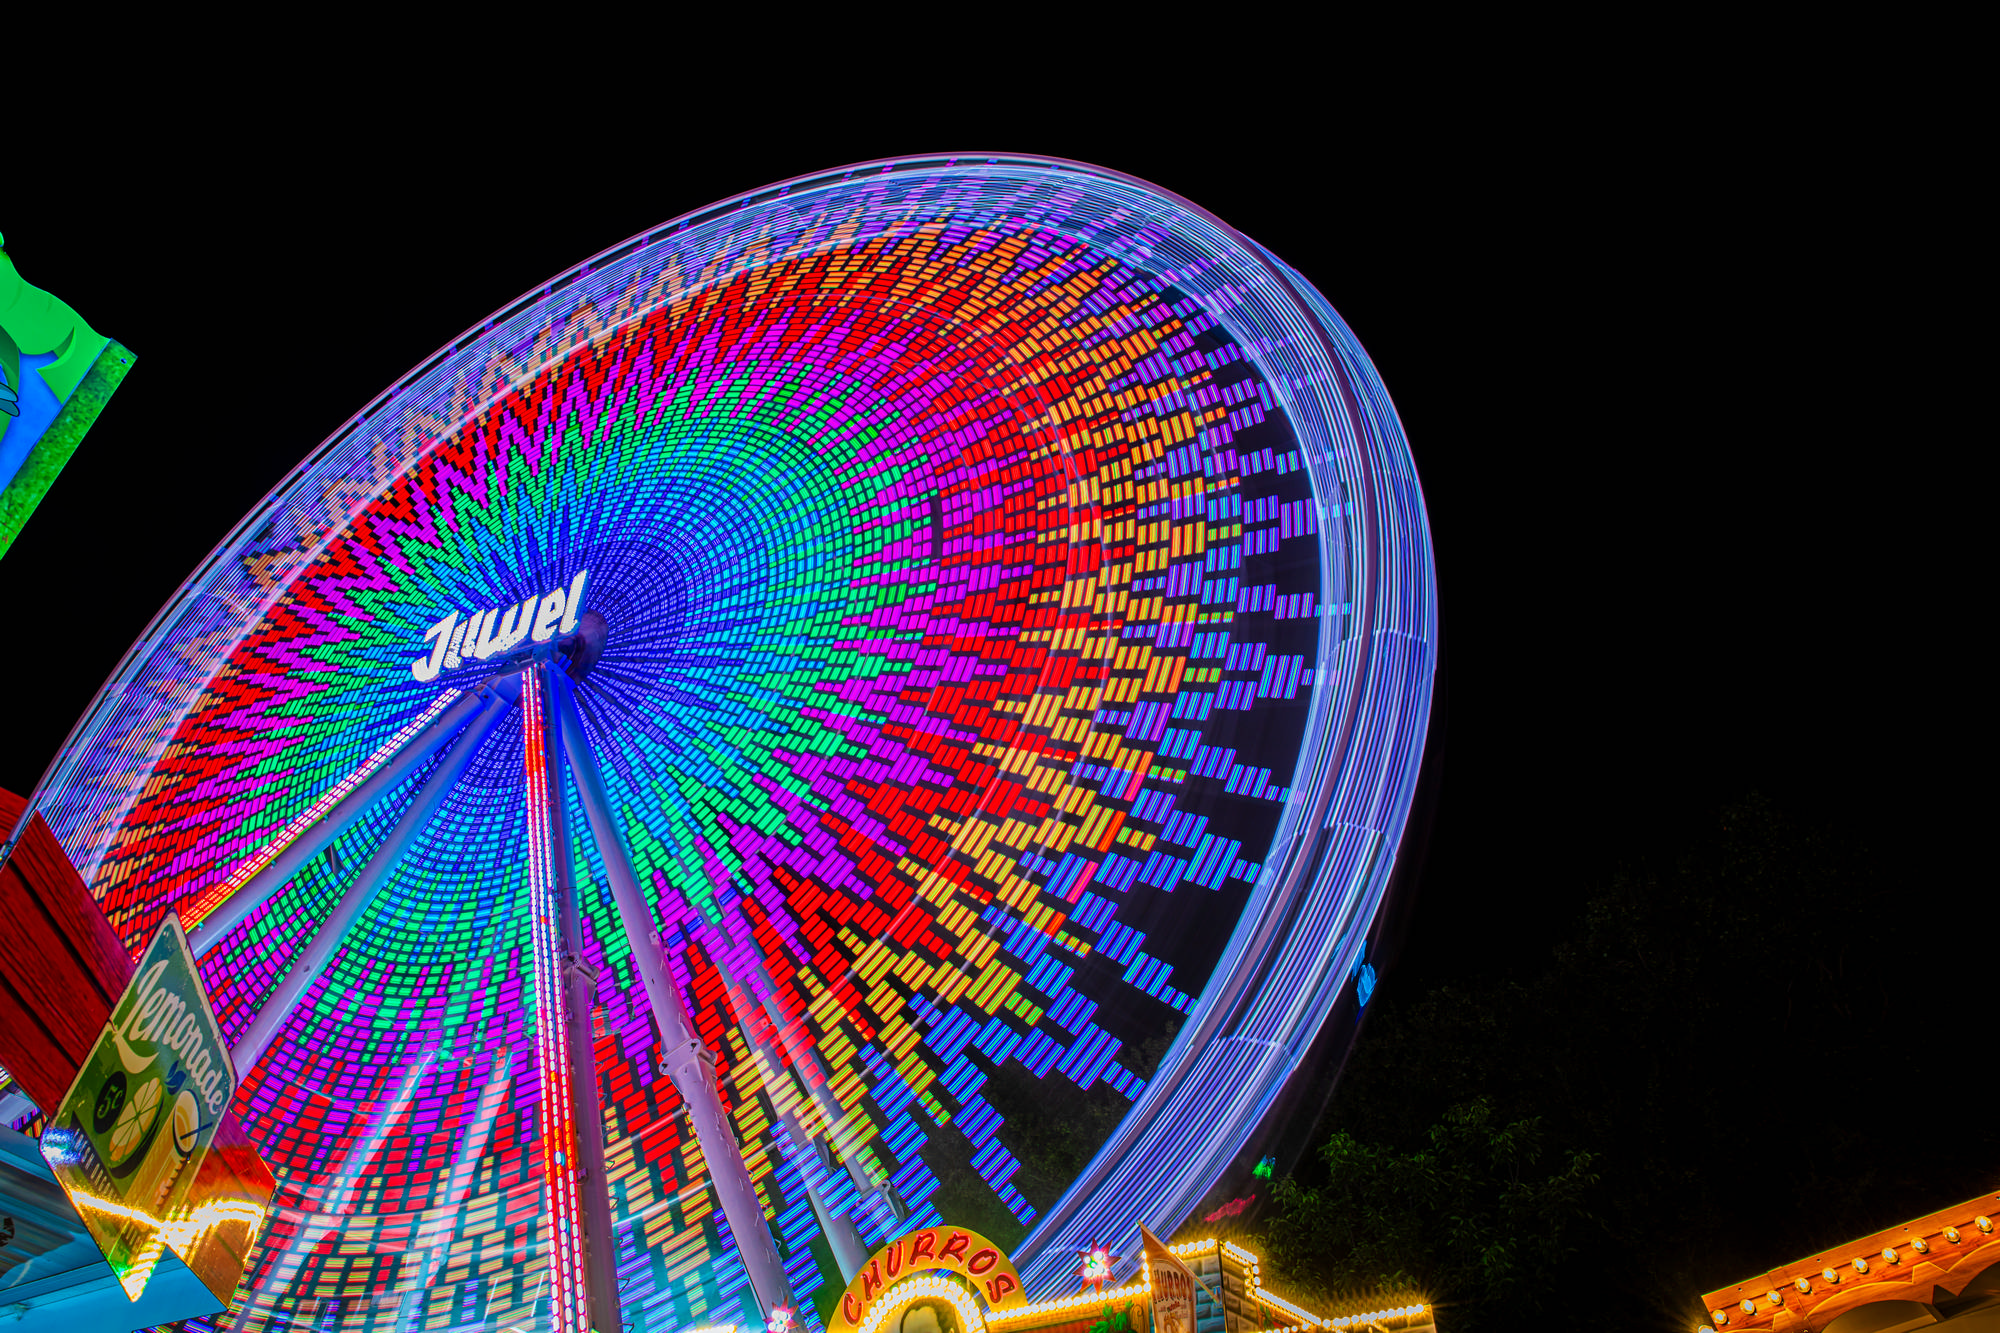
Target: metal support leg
(225,914)
(600,1246)
(842,1236)
(312,960)
(688,1062)
(849,1254)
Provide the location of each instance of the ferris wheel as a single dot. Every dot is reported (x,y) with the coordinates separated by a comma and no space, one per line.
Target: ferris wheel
(905,652)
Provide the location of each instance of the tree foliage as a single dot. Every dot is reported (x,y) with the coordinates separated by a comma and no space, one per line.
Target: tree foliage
(1734,1038)
(1475,1210)
(1115,1320)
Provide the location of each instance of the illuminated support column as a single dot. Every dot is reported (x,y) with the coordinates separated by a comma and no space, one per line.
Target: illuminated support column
(311,960)
(221,909)
(568,1272)
(579,988)
(806,1065)
(688,1062)
(805,1058)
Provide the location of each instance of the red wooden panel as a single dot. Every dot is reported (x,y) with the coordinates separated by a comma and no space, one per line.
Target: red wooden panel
(60,963)
(62,967)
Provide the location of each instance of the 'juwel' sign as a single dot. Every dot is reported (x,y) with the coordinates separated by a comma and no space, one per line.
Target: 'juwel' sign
(498,631)
(130,1135)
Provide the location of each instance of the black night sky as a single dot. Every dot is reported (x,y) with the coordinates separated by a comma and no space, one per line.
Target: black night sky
(1683,411)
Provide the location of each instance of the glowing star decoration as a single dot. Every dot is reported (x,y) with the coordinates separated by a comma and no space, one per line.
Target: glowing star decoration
(1096,1270)
(783,1319)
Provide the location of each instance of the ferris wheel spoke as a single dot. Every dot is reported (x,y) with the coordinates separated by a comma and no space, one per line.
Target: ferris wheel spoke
(308,836)
(312,960)
(687,1060)
(823,1157)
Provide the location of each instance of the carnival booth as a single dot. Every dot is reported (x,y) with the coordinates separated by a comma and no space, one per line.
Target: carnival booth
(948,1280)
(1930,1272)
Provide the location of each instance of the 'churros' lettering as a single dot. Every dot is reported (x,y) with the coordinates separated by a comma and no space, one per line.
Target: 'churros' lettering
(983,1262)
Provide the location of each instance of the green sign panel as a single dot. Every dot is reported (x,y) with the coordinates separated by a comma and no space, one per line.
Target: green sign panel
(129,1138)
(56,373)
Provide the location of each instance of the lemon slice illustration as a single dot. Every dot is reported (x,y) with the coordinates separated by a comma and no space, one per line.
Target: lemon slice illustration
(135,1120)
(186,1123)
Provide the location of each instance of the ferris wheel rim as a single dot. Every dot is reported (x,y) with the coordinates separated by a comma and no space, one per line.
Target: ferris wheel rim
(803,184)
(798,188)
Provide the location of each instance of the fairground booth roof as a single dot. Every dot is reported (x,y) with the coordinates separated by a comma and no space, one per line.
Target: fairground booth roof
(1935,1271)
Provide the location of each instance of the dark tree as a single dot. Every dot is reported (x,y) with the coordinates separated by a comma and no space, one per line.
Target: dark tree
(1742,1042)
(1475,1210)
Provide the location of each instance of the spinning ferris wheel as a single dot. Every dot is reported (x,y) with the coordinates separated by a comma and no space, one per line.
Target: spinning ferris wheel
(669,783)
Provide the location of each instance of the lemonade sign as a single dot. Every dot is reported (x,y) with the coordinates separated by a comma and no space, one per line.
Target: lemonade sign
(129,1137)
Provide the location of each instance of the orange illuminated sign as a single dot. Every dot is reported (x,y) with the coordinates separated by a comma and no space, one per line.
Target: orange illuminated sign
(983,1264)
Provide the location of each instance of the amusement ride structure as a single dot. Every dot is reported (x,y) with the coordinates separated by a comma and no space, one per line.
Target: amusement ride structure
(649,791)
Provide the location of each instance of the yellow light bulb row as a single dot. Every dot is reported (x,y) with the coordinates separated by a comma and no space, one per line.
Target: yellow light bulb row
(1284,1306)
(1376,1316)
(1307,1319)
(920,1287)
(1015,1316)
(1831,1276)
